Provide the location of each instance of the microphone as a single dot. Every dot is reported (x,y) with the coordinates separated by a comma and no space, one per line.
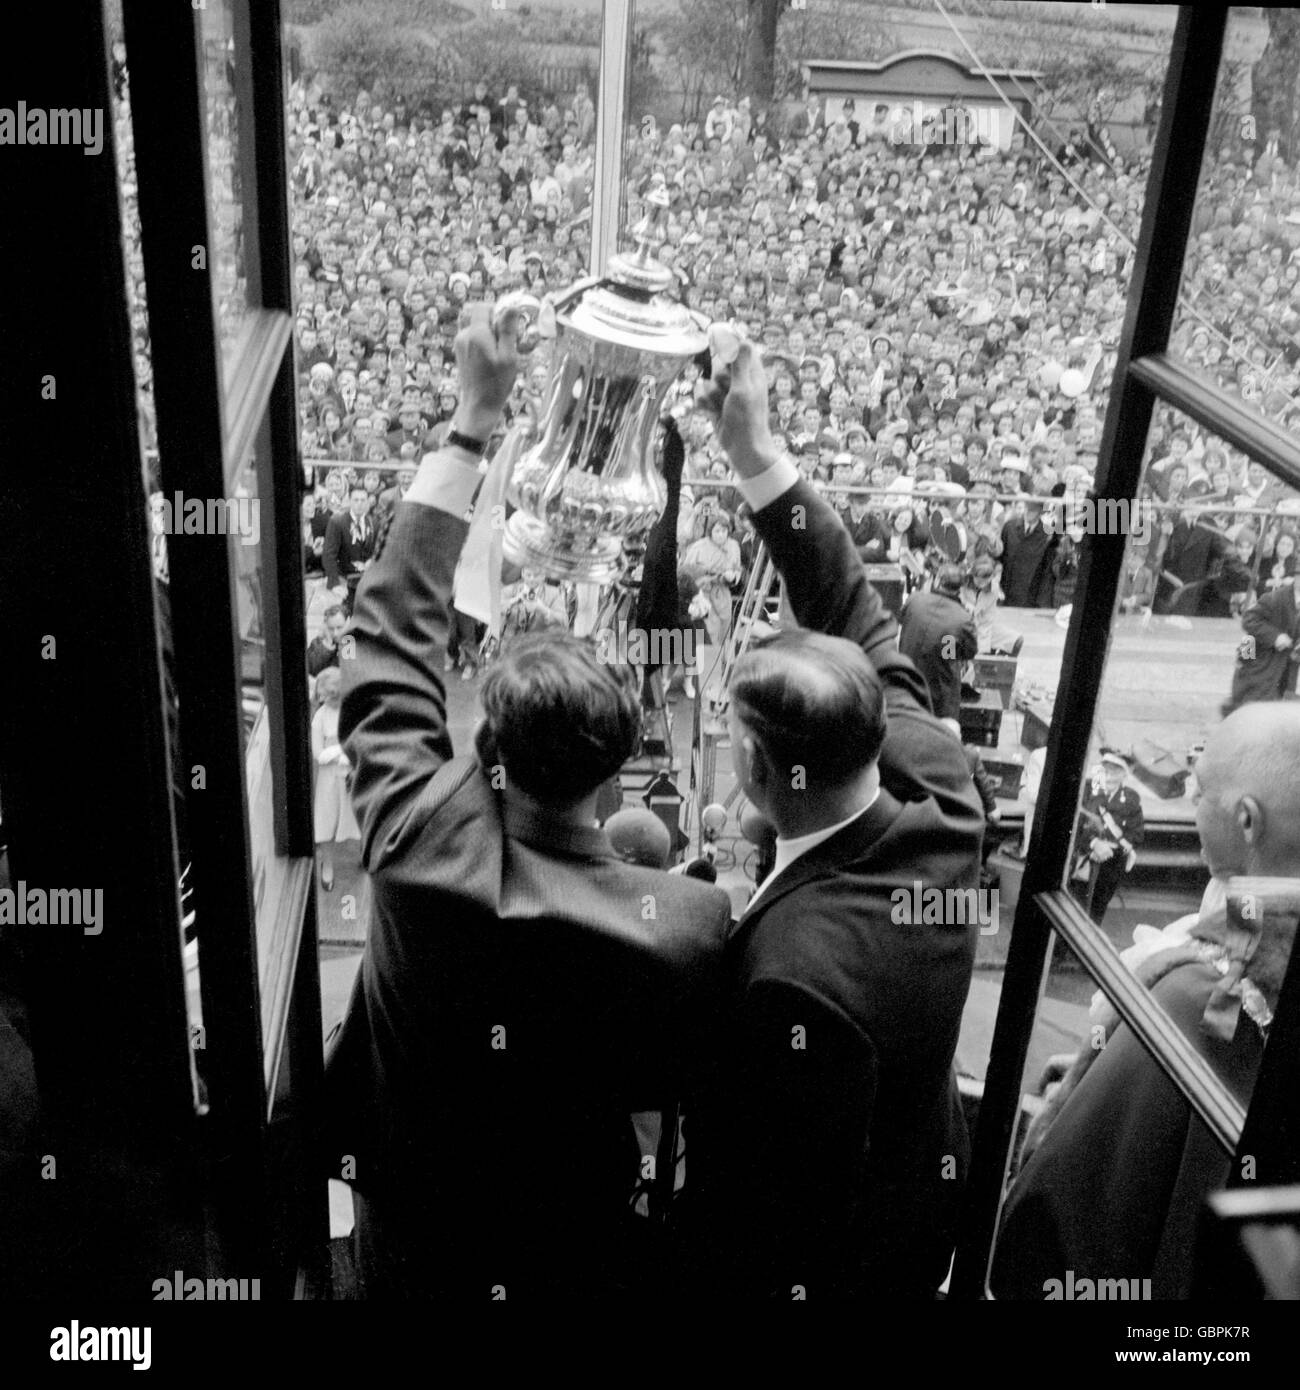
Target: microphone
(638,836)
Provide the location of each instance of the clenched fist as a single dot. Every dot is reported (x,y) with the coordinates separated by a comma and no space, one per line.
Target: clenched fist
(487,362)
(737,400)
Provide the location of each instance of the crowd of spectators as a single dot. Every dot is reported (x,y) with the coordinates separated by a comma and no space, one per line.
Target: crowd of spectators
(940,322)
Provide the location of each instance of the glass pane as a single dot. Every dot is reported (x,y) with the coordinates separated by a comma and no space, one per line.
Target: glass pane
(1206,627)
(244,509)
(939,296)
(1239,305)
(458,173)
(162,510)
(1110,1165)
(427,168)
(1171,862)
(228,264)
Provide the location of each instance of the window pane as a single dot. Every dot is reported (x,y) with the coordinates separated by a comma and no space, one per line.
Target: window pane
(1206,624)
(1239,307)
(425,170)
(937,293)
(227,158)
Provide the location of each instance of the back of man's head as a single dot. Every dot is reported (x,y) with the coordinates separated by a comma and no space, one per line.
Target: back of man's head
(813,702)
(556,718)
(949,579)
(1249,783)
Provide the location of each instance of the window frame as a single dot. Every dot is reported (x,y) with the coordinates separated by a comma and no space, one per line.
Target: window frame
(1145,374)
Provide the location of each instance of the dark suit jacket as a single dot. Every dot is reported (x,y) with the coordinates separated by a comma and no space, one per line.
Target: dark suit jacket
(1194,553)
(522,990)
(833,1157)
(1027,578)
(870,535)
(1115,1189)
(340,557)
(938,634)
(1263,672)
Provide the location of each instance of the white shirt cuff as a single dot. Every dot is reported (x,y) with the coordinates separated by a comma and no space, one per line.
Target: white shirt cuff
(762,490)
(446,480)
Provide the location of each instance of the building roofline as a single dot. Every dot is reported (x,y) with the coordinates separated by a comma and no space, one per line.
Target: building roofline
(847,65)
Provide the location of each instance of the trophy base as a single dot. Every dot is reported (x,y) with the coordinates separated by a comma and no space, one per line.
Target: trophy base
(530,545)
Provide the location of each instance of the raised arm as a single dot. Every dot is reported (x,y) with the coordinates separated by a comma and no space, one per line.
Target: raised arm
(829,591)
(393,724)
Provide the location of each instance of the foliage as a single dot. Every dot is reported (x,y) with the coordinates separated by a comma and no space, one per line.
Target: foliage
(500,52)
(831,29)
(358,46)
(417,14)
(1275,105)
(706,41)
(580,27)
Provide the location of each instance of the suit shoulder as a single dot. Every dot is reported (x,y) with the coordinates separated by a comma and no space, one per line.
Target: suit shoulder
(699,900)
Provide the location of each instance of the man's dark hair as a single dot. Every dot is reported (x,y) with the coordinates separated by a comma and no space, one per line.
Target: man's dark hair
(333,609)
(812,701)
(948,580)
(558,719)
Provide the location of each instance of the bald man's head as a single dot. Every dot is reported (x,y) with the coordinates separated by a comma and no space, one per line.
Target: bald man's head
(1248,812)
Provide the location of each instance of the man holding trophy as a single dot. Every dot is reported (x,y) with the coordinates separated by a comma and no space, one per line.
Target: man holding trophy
(523,990)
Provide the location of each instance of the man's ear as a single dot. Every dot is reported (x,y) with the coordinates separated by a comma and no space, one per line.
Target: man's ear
(760,771)
(1250,819)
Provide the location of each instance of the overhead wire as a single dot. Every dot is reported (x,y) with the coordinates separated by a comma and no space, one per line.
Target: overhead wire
(1184,299)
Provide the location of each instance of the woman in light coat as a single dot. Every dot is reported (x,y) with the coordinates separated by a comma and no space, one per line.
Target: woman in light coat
(714,563)
(332,809)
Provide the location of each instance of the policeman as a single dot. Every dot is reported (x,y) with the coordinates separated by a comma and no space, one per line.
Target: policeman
(1109,832)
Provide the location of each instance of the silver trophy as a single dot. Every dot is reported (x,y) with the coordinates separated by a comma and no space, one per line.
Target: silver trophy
(586,480)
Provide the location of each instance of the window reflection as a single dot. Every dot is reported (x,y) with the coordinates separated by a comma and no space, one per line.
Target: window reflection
(1239,307)
(426,171)
(1112,1165)
(228,266)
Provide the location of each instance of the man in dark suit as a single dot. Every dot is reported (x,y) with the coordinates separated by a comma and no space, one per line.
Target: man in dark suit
(1027,560)
(1267,656)
(349,546)
(869,530)
(830,1151)
(938,635)
(323,649)
(523,990)
(1193,555)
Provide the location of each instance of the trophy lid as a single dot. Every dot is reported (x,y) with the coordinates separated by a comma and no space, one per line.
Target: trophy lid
(631,305)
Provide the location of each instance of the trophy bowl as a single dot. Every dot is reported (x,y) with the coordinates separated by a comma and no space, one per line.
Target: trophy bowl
(586,482)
